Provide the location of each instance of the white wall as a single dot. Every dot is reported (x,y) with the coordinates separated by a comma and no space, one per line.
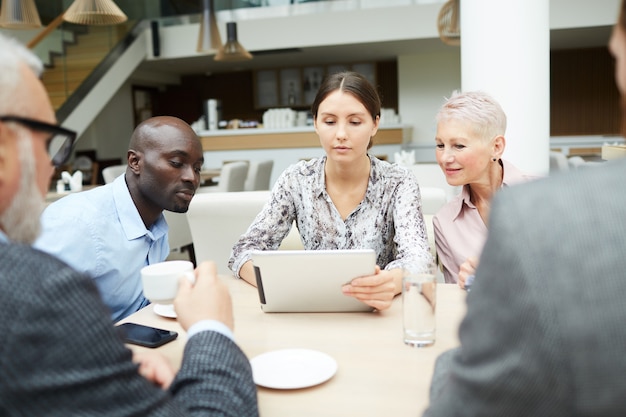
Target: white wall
(110,132)
(424,80)
(582,13)
(107,87)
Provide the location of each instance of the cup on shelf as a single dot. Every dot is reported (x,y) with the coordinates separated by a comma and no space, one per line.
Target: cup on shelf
(301,118)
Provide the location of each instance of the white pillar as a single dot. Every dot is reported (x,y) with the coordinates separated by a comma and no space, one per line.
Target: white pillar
(505,51)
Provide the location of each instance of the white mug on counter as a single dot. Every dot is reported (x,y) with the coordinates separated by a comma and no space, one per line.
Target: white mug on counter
(160,280)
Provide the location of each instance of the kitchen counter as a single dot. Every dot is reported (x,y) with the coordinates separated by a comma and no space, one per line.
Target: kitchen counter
(296,137)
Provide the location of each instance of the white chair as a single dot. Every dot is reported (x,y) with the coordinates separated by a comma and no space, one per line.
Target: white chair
(232,178)
(292,241)
(578,162)
(558,162)
(217,221)
(179,234)
(259,174)
(430,175)
(433,198)
(109,174)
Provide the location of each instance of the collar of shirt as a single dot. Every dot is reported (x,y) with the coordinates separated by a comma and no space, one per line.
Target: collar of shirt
(131,221)
(511,176)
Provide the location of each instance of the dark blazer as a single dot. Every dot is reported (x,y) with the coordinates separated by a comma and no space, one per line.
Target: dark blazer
(545,331)
(60,354)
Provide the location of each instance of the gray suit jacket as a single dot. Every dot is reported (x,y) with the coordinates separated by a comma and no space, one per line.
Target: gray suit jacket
(60,354)
(545,331)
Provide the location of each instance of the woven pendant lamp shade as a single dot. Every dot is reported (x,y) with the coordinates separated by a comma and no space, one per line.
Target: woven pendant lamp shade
(94,12)
(209,39)
(19,14)
(232,50)
(448,23)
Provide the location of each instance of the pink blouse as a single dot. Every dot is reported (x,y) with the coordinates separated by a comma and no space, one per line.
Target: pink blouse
(460,231)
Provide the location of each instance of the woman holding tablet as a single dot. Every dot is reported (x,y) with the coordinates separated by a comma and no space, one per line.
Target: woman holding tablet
(346,199)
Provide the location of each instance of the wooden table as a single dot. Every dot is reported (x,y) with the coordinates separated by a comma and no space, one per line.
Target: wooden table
(378,375)
(52,196)
(208,175)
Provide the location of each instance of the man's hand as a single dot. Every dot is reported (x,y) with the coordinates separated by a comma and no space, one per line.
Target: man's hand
(207,299)
(155,368)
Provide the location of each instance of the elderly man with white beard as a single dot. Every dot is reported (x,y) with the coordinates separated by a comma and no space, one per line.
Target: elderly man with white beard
(61,354)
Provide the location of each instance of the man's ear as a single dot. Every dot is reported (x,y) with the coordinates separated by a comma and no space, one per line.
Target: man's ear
(9,164)
(134,160)
(5,150)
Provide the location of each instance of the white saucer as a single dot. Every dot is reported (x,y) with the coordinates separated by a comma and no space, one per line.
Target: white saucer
(165,310)
(292,368)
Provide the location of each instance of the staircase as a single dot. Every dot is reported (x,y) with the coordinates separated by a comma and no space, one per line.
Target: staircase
(68,70)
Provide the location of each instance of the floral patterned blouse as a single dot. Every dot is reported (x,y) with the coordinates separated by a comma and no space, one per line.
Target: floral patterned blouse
(388,220)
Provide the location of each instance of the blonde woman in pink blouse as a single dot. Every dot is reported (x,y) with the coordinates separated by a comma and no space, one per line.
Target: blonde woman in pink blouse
(470,143)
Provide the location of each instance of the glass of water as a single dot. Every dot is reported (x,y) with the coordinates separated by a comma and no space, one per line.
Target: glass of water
(419,294)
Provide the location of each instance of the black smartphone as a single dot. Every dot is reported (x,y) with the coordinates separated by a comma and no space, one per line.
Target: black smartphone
(141,335)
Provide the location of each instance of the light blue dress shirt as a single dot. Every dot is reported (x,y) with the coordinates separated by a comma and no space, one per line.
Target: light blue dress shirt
(100,233)
(200,326)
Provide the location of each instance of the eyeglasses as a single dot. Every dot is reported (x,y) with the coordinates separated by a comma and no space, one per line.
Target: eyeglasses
(60,142)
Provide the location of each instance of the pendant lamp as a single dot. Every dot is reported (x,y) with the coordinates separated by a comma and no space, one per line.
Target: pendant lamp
(94,12)
(19,14)
(232,49)
(209,40)
(448,23)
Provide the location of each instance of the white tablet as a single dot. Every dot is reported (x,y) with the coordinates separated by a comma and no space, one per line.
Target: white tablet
(310,280)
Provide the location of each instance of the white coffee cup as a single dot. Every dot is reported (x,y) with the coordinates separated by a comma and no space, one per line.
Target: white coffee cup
(160,280)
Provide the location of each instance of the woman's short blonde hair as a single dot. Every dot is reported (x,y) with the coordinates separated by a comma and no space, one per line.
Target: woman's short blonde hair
(478,109)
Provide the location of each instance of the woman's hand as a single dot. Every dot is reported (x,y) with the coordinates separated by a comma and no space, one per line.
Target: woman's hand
(155,368)
(376,290)
(467,268)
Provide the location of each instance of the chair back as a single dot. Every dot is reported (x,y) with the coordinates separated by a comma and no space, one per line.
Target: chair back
(232,178)
(578,162)
(179,234)
(433,198)
(217,220)
(109,174)
(430,175)
(558,162)
(259,175)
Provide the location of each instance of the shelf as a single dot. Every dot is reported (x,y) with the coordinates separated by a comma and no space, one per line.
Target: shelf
(296,87)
